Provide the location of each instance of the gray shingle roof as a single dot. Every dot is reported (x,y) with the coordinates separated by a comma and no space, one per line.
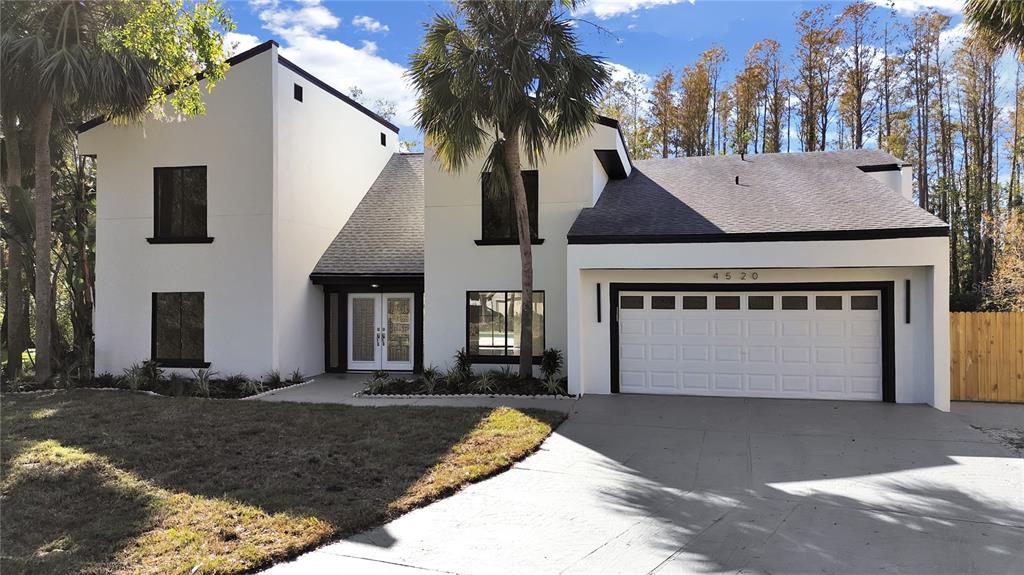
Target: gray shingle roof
(694,199)
(384,235)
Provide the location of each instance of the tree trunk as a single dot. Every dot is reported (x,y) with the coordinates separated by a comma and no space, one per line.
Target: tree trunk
(17,320)
(512,164)
(44,225)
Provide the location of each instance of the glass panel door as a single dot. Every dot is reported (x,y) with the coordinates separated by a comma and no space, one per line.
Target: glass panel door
(398,332)
(364,331)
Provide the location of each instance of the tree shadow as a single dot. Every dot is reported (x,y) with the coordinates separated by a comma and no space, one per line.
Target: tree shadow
(337,469)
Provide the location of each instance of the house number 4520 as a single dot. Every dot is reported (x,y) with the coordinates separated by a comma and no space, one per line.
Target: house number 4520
(735,275)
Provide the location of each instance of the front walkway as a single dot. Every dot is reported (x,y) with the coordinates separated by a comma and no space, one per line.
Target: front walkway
(340,387)
(641,484)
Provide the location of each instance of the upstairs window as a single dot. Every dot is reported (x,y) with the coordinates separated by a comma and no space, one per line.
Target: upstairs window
(499,213)
(180,204)
(178,320)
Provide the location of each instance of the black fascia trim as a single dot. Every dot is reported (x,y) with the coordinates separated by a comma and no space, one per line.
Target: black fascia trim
(327,88)
(183,240)
(357,280)
(503,359)
(182,363)
(808,236)
(612,164)
(888,321)
(507,242)
(236,59)
(613,123)
(879,168)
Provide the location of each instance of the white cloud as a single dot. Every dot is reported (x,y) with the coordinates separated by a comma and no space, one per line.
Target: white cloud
(909,7)
(235,43)
(369,24)
(607,8)
(620,72)
(300,28)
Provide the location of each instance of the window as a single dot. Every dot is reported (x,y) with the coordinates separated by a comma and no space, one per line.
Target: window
(663,302)
(794,302)
(828,302)
(493,324)
(631,302)
(499,214)
(178,329)
(760,302)
(863,302)
(727,302)
(383,139)
(179,205)
(695,302)
(297,92)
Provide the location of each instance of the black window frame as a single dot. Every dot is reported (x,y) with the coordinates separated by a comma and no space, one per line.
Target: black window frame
(163,238)
(761,298)
(662,302)
(506,359)
(199,362)
(631,298)
(531,180)
(828,300)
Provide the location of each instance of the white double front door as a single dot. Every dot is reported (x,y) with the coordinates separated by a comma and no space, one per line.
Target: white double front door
(380,328)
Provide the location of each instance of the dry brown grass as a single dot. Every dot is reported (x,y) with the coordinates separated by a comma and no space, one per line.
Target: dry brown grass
(109,482)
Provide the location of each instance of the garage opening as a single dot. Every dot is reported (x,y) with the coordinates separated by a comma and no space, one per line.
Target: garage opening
(809,341)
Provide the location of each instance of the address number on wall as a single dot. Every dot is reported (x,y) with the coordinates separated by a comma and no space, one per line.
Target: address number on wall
(731,275)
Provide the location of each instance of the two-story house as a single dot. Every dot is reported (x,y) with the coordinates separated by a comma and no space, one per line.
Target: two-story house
(774,275)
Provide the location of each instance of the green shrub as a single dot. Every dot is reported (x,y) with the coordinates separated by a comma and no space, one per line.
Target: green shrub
(376,385)
(272,378)
(202,378)
(463,364)
(432,377)
(506,375)
(486,383)
(151,373)
(554,385)
(551,363)
(180,385)
(380,374)
(105,379)
(134,377)
(296,377)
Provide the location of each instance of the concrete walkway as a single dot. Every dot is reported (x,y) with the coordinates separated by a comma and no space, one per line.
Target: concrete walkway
(339,388)
(635,484)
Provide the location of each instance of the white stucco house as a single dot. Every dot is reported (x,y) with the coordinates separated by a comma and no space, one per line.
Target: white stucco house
(283,230)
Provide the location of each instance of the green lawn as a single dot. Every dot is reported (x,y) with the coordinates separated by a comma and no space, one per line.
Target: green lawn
(114,482)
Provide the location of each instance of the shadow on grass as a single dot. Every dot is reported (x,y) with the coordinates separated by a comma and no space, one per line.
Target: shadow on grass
(229,485)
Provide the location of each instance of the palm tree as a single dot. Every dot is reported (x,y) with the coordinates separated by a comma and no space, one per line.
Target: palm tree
(69,60)
(506,79)
(1004,18)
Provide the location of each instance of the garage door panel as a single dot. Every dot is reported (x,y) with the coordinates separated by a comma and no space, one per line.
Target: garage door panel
(818,347)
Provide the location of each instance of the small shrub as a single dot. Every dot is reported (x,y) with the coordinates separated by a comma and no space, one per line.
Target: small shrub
(380,374)
(252,386)
(180,385)
(551,363)
(296,377)
(151,373)
(506,375)
(486,383)
(553,385)
(105,379)
(463,364)
(134,377)
(202,378)
(376,385)
(272,378)
(431,379)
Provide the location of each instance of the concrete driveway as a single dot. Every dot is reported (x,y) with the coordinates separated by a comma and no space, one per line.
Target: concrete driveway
(641,484)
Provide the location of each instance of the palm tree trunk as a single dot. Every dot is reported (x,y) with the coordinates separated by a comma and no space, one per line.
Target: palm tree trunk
(17,321)
(44,225)
(513,166)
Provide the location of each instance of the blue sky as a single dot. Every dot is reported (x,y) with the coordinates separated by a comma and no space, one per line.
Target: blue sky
(367,44)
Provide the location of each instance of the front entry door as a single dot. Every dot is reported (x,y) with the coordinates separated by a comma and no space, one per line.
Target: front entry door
(380,331)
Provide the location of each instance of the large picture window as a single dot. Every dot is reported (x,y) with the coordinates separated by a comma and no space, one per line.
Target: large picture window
(493,323)
(179,204)
(499,212)
(178,329)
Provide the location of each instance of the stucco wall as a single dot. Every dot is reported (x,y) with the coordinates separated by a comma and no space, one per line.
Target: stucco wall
(328,155)
(454,264)
(233,140)
(922,347)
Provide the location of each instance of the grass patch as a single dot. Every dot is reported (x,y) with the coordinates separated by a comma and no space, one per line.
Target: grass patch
(101,482)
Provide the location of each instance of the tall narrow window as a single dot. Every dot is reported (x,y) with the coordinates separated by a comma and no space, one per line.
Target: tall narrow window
(494,321)
(499,212)
(180,204)
(178,329)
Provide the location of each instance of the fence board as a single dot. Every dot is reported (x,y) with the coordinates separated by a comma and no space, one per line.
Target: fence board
(987,356)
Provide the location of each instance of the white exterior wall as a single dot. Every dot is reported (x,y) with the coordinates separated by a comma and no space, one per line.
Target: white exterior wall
(454,264)
(922,347)
(234,141)
(900,180)
(328,155)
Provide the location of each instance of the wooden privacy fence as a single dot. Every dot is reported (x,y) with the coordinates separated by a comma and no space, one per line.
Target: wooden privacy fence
(987,356)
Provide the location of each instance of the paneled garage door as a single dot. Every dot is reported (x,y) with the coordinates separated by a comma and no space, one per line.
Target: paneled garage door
(800,344)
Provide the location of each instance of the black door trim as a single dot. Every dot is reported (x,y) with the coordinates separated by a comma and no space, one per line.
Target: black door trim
(888,320)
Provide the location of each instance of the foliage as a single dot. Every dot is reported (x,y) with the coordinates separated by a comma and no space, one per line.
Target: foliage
(1007,286)
(486,383)
(1002,18)
(151,373)
(554,385)
(463,367)
(179,385)
(505,375)
(272,378)
(250,385)
(202,379)
(296,376)
(551,362)
(626,100)
(432,378)
(134,377)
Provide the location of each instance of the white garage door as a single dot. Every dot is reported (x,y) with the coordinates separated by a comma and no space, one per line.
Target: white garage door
(820,345)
